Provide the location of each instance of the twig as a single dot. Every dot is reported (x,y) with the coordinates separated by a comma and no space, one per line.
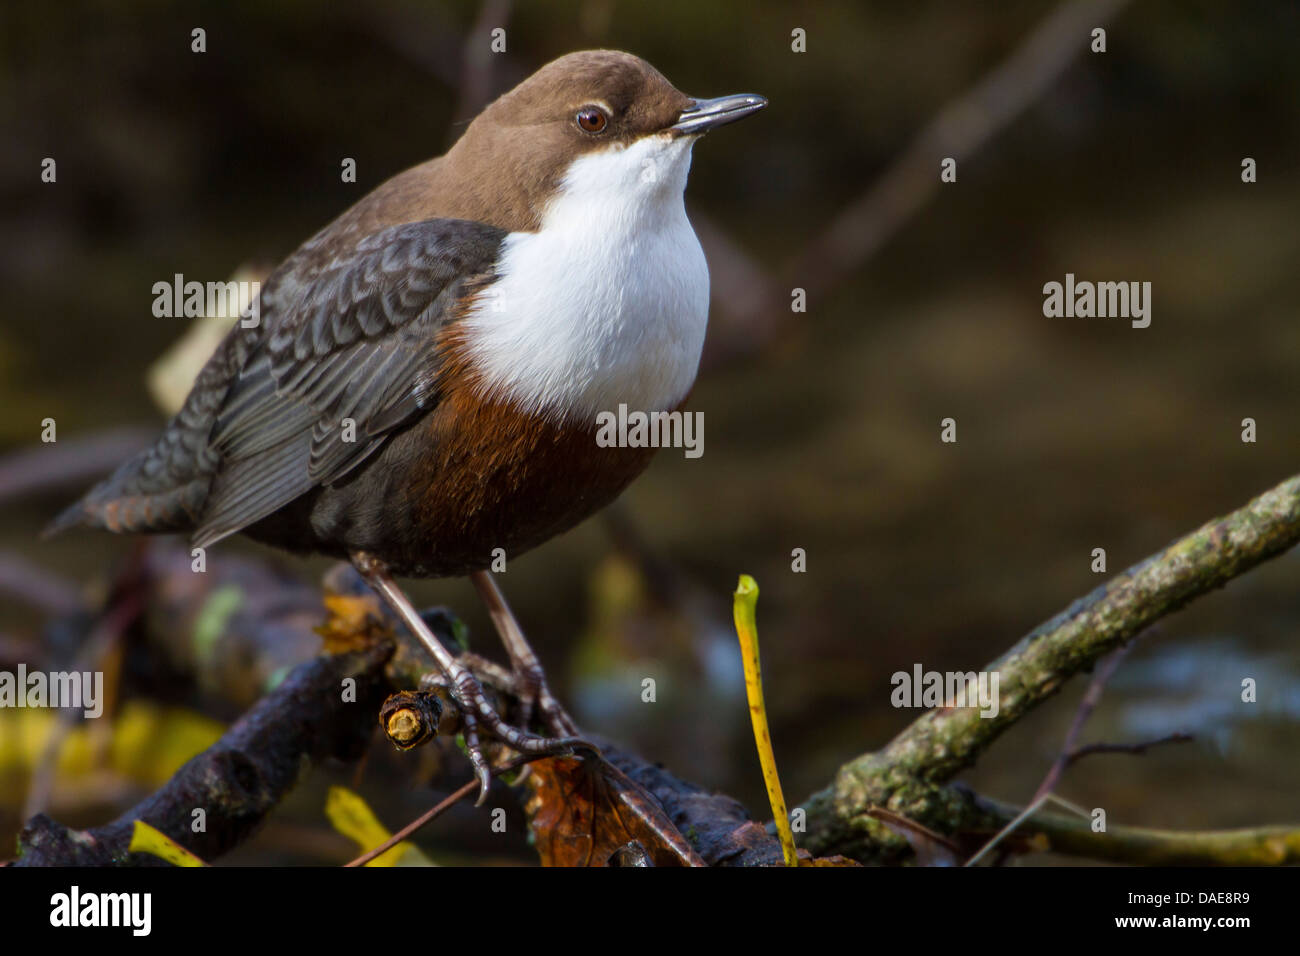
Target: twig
(931,849)
(1138,748)
(1074,836)
(1069,759)
(1091,698)
(908,775)
(442,807)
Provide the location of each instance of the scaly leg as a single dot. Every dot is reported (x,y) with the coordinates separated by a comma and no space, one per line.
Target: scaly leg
(528,670)
(465,688)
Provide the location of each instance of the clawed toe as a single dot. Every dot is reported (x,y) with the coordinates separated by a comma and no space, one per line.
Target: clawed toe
(477,711)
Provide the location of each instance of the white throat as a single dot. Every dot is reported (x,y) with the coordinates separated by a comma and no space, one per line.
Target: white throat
(607,303)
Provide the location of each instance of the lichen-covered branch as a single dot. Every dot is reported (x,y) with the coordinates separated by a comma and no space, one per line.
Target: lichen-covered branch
(909,774)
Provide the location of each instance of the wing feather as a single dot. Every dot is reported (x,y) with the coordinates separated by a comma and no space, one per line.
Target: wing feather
(358,343)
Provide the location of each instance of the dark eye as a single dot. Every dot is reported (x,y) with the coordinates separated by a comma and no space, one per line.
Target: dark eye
(591,120)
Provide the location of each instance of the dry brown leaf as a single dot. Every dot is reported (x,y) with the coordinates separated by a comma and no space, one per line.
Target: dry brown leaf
(583,811)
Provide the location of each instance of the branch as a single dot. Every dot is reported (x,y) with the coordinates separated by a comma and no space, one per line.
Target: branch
(1260,846)
(1091,698)
(1137,749)
(304,720)
(909,774)
(717,825)
(241,778)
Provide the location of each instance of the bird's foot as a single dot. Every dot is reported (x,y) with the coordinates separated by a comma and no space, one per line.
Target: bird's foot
(533,694)
(527,685)
(529,680)
(476,710)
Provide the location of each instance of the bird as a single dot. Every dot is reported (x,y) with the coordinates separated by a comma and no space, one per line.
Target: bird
(422,384)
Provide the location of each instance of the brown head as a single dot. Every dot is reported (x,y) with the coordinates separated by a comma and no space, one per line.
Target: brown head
(516,152)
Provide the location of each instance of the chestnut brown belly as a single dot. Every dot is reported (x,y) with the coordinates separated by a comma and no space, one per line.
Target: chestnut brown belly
(441,496)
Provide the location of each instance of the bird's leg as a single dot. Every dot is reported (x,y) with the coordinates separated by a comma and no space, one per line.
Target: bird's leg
(489,673)
(528,670)
(465,688)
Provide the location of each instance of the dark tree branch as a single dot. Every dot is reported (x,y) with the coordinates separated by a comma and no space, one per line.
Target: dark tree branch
(718,826)
(236,782)
(304,721)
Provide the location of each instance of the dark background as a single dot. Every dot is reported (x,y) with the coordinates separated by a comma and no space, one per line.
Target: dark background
(1073,433)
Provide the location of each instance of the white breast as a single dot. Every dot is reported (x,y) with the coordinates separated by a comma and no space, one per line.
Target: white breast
(607,303)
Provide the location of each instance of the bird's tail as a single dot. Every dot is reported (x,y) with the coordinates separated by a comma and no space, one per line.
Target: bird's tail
(161,489)
(165,487)
(125,503)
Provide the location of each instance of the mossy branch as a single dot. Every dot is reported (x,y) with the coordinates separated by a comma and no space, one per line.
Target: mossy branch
(909,775)
(1074,836)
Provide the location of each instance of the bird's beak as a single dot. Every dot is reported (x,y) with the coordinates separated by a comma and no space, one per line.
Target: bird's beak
(704,115)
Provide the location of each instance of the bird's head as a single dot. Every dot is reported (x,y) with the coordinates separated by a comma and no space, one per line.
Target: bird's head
(598,124)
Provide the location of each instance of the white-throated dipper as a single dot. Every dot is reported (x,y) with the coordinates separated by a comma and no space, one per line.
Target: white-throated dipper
(424,383)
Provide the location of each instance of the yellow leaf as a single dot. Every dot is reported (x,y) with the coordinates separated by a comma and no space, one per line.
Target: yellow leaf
(147,839)
(350,815)
(148,743)
(151,743)
(746,599)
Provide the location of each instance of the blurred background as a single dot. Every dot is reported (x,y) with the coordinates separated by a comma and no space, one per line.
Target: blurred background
(822,427)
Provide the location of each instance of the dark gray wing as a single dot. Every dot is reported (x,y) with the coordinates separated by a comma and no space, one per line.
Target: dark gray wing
(344,362)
